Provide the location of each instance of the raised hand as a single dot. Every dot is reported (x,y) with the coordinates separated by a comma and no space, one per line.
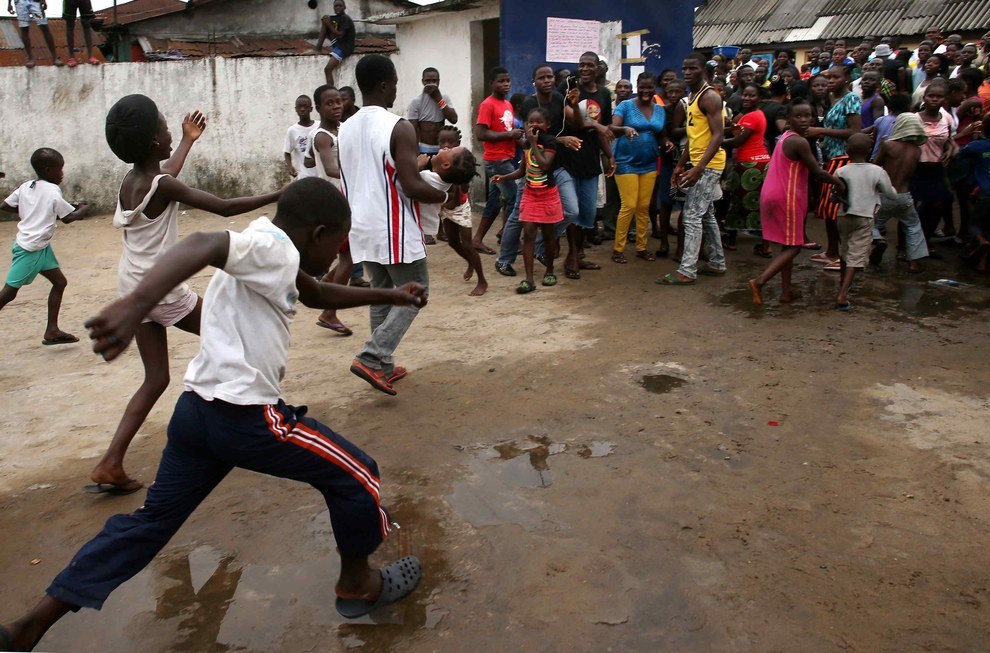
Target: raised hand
(193,125)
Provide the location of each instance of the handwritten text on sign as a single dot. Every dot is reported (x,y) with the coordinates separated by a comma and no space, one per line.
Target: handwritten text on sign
(568,39)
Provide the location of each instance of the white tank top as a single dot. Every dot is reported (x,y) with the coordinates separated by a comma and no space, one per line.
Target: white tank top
(384,225)
(320,170)
(144,241)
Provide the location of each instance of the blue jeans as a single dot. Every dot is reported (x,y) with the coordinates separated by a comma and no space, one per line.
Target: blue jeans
(510,235)
(206,440)
(586,189)
(498,192)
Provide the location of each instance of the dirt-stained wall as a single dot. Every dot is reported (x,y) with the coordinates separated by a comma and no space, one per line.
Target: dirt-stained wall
(248,103)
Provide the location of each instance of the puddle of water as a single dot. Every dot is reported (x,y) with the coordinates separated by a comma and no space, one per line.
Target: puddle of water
(660,384)
(597,449)
(491,496)
(203,599)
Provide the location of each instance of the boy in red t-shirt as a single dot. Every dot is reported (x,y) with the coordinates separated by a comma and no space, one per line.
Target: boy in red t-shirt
(494,128)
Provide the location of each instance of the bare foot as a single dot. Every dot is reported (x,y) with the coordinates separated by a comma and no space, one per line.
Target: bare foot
(479,290)
(469,273)
(914,267)
(755,288)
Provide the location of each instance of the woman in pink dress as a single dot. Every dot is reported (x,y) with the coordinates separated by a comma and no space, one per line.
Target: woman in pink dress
(784,201)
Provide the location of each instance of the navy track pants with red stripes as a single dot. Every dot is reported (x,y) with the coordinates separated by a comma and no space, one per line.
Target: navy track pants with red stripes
(206,440)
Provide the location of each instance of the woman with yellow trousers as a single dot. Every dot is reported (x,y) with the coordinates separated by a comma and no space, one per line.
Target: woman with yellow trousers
(638,124)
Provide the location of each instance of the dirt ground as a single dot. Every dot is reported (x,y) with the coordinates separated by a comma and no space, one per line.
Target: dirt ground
(607,465)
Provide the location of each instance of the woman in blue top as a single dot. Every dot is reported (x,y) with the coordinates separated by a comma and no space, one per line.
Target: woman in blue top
(638,126)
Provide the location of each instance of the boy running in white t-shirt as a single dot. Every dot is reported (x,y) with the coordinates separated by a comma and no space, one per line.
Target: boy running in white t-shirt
(231,413)
(298,138)
(39,205)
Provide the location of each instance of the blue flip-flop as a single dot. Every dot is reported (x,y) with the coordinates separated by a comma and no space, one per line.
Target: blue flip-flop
(399,579)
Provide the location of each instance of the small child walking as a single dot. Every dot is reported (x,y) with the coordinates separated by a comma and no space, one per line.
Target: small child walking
(39,205)
(540,209)
(865,183)
(148,216)
(232,414)
(455,217)
(298,138)
(784,199)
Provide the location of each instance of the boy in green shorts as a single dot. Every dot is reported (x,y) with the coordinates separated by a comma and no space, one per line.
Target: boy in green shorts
(39,205)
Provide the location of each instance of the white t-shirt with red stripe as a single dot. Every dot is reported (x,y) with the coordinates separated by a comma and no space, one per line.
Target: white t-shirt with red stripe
(385,226)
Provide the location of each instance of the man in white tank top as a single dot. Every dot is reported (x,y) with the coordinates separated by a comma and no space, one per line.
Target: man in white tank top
(381,180)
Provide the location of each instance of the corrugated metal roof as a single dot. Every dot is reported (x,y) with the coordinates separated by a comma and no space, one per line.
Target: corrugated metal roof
(136,10)
(12,48)
(766,22)
(793,13)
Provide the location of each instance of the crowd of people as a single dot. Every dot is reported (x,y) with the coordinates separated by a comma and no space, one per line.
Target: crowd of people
(742,146)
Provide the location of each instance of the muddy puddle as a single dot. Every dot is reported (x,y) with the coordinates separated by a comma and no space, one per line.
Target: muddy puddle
(660,384)
(503,479)
(204,598)
(902,298)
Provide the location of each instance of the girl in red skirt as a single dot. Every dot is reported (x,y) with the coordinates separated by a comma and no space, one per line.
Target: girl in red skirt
(784,200)
(540,208)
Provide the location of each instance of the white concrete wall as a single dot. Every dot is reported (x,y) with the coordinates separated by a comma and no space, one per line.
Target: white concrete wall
(444,41)
(261,18)
(248,104)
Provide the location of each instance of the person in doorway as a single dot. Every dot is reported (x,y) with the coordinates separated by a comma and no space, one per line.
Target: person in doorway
(26,11)
(429,111)
(84,10)
(339,28)
(705,127)
(380,177)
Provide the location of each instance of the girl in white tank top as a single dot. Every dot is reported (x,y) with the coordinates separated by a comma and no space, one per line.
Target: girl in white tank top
(147,214)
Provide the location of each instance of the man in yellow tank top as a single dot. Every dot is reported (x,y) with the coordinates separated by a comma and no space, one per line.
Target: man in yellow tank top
(704,134)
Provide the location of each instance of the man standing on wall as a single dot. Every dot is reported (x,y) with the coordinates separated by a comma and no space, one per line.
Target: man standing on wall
(340,29)
(704,149)
(380,177)
(429,111)
(84,9)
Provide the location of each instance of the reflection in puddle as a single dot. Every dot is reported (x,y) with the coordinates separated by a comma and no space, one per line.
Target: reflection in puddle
(491,494)
(204,599)
(597,449)
(660,384)
(896,297)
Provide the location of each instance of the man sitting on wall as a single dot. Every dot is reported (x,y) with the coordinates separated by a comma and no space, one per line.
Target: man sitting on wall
(340,29)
